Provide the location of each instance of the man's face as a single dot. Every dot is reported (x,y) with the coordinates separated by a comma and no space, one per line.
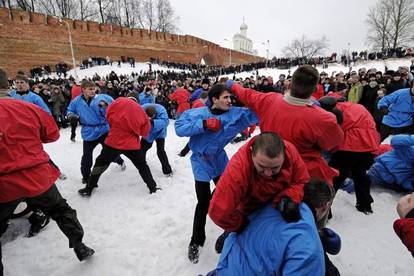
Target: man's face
(267,167)
(405,205)
(89,92)
(223,102)
(21,85)
(205,86)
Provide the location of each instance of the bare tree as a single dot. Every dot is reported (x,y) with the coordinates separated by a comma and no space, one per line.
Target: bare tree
(402,19)
(25,5)
(166,19)
(103,6)
(306,48)
(378,22)
(86,10)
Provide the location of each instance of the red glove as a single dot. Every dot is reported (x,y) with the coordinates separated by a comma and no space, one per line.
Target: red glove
(212,124)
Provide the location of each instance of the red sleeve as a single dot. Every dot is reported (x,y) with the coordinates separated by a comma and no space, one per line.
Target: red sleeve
(251,98)
(228,195)
(329,135)
(140,124)
(172,96)
(299,176)
(49,131)
(404,228)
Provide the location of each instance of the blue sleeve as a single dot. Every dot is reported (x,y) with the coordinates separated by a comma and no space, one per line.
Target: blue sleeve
(39,102)
(402,140)
(189,124)
(72,107)
(388,100)
(161,121)
(246,117)
(195,95)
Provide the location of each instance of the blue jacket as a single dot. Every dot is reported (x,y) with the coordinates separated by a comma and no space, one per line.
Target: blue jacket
(400,108)
(160,123)
(31,98)
(209,158)
(395,168)
(146,98)
(196,95)
(271,246)
(92,116)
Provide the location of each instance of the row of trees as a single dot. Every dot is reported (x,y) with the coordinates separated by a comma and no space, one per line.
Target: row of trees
(391,24)
(155,15)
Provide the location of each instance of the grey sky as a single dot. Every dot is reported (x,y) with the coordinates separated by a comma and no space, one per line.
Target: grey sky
(341,21)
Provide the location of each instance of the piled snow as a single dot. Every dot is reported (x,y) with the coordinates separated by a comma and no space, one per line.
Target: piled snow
(135,233)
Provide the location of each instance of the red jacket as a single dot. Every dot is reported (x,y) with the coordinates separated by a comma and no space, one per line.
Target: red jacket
(25,170)
(310,128)
(127,122)
(360,133)
(319,93)
(241,190)
(181,96)
(404,228)
(197,103)
(75,91)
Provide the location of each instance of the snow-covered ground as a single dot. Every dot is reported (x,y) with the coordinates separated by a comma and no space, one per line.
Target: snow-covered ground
(135,233)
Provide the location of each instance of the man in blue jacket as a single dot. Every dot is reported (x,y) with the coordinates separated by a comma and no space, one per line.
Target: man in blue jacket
(398,109)
(271,246)
(89,109)
(159,122)
(210,129)
(23,92)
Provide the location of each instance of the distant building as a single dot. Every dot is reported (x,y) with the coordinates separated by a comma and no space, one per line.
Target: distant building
(241,42)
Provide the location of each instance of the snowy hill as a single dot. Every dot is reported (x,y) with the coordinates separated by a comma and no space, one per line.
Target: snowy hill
(135,233)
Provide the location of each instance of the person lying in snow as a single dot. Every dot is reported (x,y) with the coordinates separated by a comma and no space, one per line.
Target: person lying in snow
(395,168)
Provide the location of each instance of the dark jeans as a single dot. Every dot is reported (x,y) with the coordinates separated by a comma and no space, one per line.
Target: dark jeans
(109,154)
(385,131)
(87,157)
(204,194)
(52,204)
(185,150)
(73,126)
(162,155)
(355,165)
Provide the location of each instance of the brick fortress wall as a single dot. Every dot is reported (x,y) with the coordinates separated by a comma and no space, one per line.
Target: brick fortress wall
(30,39)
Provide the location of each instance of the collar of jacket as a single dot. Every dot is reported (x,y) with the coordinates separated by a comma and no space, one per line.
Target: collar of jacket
(216,111)
(21,93)
(296,101)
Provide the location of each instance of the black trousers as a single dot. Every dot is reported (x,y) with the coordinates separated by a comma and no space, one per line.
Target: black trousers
(185,150)
(204,194)
(355,165)
(53,204)
(109,154)
(162,155)
(87,157)
(385,131)
(73,126)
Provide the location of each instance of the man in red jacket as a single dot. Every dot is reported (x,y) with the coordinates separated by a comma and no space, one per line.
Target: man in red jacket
(294,117)
(127,122)
(355,155)
(404,227)
(265,169)
(27,173)
(181,96)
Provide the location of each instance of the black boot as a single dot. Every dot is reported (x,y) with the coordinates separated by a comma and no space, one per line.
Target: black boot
(83,252)
(154,190)
(38,220)
(87,191)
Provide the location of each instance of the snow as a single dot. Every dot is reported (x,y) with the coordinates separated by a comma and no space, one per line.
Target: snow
(135,233)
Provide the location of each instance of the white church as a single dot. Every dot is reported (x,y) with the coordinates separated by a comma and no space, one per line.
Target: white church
(241,42)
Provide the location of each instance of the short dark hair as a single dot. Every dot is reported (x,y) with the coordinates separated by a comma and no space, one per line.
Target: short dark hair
(4,83)
(268,143)
(22,78)
(87,83)
(304,81)
(204,95)
(216,91)
(151,111)
(317,193)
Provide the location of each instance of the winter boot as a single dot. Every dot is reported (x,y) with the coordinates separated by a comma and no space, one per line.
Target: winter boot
(83,252)
(87,191)
(154,190)
(193,253)
(367,210)
(38,220)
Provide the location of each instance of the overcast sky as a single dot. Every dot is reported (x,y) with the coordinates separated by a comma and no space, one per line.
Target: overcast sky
(341,21)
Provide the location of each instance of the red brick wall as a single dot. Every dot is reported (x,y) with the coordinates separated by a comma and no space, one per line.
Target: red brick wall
(32,39)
